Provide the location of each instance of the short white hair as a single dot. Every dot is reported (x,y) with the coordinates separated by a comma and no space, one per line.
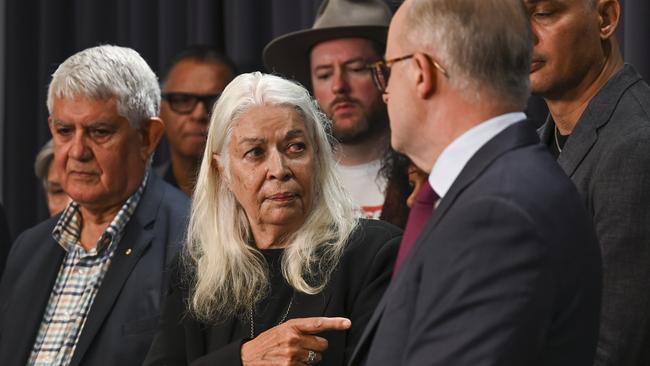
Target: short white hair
(229,273)
(106,72)
(485,45)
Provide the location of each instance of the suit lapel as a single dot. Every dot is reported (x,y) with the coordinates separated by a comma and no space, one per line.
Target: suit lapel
(520,134)
(135,242)
(30,300)
(597,114)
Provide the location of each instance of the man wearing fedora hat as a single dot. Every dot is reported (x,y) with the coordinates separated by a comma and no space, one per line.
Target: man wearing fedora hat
(331,58)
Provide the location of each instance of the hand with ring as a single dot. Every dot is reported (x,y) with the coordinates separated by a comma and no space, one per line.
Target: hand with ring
(312,358)
(291,343)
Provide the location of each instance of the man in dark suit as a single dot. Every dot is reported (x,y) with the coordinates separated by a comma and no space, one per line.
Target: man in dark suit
(506,271)
(85,287)
(599,131)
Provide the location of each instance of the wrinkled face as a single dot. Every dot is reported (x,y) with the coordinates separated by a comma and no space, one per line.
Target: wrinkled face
(187,132)
(57,200)
(271,165)
(100,157)
(567,45)
(344,88)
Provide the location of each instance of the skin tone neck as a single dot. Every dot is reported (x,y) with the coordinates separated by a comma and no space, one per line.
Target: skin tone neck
(269,236)
(439,134)
(567,108)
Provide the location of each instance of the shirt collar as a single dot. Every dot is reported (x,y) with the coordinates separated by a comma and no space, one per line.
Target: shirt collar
(67,230)
(454,157)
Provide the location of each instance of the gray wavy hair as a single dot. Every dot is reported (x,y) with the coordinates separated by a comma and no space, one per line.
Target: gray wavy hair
(106,72)
(230,275)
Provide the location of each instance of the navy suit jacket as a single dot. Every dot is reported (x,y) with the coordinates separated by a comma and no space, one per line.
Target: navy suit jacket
(124,315)
(506,271)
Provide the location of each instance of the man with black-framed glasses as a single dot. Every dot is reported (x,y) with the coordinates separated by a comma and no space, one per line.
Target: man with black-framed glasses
(191,86)
(499,264)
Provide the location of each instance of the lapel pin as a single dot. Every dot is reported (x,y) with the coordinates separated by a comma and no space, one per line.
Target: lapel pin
(128,251)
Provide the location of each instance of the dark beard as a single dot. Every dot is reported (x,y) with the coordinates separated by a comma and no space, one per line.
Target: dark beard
(375,124)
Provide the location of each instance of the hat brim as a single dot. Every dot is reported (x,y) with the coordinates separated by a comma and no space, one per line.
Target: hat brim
(288,55)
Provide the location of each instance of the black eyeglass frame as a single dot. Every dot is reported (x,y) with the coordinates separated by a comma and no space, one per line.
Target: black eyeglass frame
(208,101)
(381,70)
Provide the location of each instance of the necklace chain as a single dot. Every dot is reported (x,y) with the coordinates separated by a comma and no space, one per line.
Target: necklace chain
(282,319)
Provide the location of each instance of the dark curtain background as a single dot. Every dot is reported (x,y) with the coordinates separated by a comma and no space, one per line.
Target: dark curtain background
(40,34)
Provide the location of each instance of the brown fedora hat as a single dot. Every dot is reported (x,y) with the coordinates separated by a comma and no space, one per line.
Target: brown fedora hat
(288,55)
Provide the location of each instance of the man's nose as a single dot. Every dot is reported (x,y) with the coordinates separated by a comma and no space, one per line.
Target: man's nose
(340,82)
(79,149)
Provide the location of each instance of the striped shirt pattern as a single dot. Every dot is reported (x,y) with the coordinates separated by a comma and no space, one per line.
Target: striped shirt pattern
(77,283)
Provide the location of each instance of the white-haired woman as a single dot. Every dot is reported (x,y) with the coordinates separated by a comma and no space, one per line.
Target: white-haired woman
(277,269)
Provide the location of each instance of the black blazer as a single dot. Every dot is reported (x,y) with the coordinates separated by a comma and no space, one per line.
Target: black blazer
(607,156)
(506,271)
(124,315)
(353,291)
(5,240)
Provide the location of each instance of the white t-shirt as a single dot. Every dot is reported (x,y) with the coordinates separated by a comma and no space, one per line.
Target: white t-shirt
(365,186)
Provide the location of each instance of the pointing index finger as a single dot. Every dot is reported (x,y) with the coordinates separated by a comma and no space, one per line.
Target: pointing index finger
(320,324)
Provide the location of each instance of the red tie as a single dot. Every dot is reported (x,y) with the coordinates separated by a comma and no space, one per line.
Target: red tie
(422,209)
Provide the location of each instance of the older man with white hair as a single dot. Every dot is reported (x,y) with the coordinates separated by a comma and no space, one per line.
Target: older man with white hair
(85,287)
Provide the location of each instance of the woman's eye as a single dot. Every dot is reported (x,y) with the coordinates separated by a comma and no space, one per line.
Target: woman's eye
(254,153)
(297,147)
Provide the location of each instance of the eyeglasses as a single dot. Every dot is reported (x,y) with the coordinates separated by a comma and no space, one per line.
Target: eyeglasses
(381,70)
(185,103)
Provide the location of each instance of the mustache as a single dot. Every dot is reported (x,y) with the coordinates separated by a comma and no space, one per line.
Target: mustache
(537,58)
(338,100)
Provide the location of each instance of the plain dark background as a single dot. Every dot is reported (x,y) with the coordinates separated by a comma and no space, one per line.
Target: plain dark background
(41,34)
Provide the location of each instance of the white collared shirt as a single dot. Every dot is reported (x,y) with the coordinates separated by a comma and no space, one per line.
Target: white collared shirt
(455,156)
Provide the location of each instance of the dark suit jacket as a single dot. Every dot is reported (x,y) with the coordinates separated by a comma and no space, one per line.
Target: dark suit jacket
(608,158)
(505,272)
(165,172)
(124,315)
(353,291)
(5,240)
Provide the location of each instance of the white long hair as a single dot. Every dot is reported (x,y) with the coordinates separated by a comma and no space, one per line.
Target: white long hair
(229,274)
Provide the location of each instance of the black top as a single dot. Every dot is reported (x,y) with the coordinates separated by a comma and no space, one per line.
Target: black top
(353,291)
(274,309)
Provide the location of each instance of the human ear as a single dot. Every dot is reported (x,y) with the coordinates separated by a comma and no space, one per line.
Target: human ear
(425,75)
(151,131)
(609,14)
(216,163)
